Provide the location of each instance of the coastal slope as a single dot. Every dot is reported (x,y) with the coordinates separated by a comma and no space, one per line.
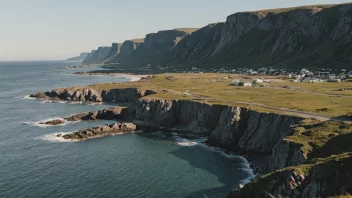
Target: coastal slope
(79,58)
(314,36)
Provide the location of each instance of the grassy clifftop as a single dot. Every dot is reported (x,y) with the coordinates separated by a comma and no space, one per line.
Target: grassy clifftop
(216,89)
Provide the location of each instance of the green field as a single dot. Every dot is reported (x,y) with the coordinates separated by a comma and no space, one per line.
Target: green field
(213,88)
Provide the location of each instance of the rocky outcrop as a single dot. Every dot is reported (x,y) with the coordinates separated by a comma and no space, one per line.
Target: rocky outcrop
(226,126)
(92,95)
(285,154)
(104,130)
(330,178)
(106,114)
(79,58)
(97,55)
(53,122)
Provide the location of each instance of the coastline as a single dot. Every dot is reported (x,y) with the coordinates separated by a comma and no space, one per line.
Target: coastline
(269,141)
(132,77)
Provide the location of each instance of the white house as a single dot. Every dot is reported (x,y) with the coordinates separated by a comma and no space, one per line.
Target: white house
(258,80)
(235,82)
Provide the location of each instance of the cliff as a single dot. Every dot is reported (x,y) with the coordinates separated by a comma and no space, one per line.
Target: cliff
(314,151)
(234,128)
(126,50)
(316,36)
(96,55)
(154,48)
(309,36)
(331,177)
(113,52)
(79,58)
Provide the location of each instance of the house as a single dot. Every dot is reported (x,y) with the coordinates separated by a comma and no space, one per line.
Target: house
(334,80)
(235,83)
(311,80)
(258,80)
(241,83)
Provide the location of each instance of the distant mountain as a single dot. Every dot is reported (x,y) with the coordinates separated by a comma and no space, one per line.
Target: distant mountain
(79,58)
(309,36)
(96,55)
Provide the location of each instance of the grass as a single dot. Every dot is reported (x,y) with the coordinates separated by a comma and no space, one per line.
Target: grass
(212,85)
(324,87)
(323,139)
(138,40)
(187,30)
(280,10)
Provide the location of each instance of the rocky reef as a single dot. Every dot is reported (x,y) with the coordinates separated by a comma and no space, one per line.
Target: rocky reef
(53,122)
(92,95)
(104,130)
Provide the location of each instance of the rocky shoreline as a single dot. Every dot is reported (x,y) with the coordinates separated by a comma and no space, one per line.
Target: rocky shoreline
(91,95)
(258,135)
(233,128)
(104,130)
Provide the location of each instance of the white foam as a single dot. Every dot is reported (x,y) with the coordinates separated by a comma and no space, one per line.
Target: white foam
(36,123)
(186,142)
(245,166)
(26,97)
(53,137)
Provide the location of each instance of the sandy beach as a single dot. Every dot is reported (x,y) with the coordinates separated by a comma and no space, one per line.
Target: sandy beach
(132,77)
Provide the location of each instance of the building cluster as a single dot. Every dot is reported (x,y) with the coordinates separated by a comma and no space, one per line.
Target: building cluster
(303,75)
(326,75)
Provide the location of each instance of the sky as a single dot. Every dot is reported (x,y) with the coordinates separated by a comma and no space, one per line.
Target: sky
(58,29)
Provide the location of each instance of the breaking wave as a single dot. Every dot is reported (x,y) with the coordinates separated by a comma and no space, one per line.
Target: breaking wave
(37,123)
(53,137)
(245,166)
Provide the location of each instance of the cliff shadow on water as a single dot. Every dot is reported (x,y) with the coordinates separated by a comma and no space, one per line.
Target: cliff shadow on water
(233,170)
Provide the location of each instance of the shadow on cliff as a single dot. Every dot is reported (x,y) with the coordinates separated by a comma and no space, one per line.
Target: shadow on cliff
(229,171)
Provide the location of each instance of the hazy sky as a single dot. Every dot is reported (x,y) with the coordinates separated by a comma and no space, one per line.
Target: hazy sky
(57,29)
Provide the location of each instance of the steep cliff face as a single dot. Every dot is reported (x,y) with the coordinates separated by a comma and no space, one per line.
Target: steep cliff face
(97,55)
(126,50)
(226,126)
(329,178)
(89,56)
(196,48)
(285,154)
(79,58)
(113,52)
(154,48)
(310,36)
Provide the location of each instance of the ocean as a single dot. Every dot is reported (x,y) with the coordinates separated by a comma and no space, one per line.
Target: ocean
(35,163)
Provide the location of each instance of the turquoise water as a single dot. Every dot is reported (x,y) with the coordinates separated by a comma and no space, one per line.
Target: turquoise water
(34,163)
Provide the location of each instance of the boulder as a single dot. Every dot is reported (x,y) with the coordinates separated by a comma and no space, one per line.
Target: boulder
(104,130)
(53,122)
